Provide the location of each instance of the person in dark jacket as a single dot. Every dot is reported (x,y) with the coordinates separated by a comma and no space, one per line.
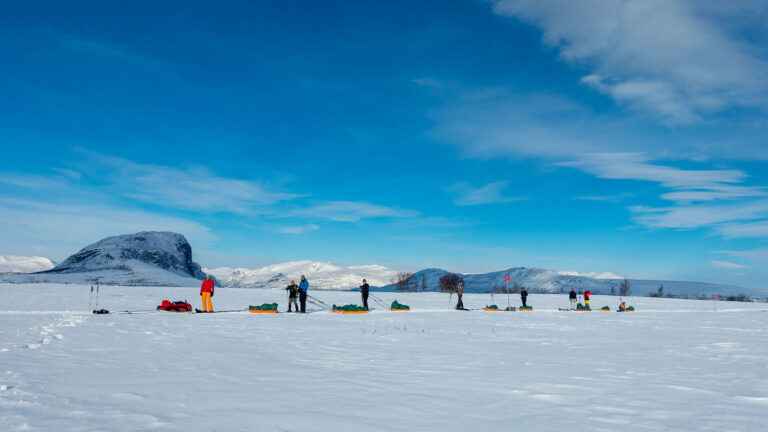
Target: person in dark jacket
(524,296)
(364,289)
(573,298)
(293,292)
(303,287)
(460,293)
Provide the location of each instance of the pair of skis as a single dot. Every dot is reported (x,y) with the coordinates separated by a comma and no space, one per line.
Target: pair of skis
(223,311)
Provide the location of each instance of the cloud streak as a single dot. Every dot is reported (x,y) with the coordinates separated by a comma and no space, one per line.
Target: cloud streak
(728,265)
(65,228)
(193,188)
(491,193)
(295,230)
(659,56)
(702,198)
(352,211)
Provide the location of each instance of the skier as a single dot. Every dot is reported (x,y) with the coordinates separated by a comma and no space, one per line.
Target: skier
(293,292)
(587,295)
(206,292)
(303,287)
(364,292)
(524,296)
(460,293)
(572,297)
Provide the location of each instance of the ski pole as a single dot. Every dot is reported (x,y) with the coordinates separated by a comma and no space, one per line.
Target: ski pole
(97,296)
(377,300)
(90,301)
(325,306)
(319,301)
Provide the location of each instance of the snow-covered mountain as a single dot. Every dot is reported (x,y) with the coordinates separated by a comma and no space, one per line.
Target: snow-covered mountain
(147,258)
(24,264)
(165,259)
(321,275)
(554,281)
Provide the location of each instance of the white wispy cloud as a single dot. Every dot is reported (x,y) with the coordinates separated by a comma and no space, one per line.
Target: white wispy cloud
(673,58)
(696,216)
(728,265)
(194,188)
(612,198)
(503,122)
(745,230)
(298,229)
(491,193)
(636,166)
(352,211)
(57,230)
(702,198)
(758,255)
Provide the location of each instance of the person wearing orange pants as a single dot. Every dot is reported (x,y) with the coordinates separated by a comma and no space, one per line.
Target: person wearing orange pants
(206,292)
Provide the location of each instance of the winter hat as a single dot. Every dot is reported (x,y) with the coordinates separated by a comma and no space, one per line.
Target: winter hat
(293,282)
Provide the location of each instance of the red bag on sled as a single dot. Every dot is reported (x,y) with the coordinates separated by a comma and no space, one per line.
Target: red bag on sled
(179,306)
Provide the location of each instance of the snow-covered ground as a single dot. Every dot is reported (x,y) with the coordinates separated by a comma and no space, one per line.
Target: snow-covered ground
(672,365)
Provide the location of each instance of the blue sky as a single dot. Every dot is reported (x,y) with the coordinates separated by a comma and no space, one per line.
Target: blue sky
(593,136)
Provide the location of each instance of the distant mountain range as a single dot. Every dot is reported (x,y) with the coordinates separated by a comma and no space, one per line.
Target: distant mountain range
(553,281)
(322,275)
(24,264)
(165,259)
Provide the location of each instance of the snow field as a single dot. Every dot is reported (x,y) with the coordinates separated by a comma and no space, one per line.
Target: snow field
(672,365)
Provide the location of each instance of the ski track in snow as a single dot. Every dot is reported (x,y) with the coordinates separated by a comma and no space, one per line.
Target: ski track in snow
(672,365)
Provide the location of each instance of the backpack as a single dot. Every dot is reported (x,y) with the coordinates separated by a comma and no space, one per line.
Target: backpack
(178,306)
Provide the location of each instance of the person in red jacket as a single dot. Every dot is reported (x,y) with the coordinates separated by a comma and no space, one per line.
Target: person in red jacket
(587,295)
(206,292)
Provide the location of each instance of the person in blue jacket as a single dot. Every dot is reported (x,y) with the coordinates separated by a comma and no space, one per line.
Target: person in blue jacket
(303,287)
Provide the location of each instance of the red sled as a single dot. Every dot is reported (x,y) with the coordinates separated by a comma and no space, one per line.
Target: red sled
(179,306)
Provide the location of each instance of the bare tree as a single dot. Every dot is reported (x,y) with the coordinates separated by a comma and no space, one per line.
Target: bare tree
(624,288)
(449,282)
(423,282)
(402,281)
(515,288)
